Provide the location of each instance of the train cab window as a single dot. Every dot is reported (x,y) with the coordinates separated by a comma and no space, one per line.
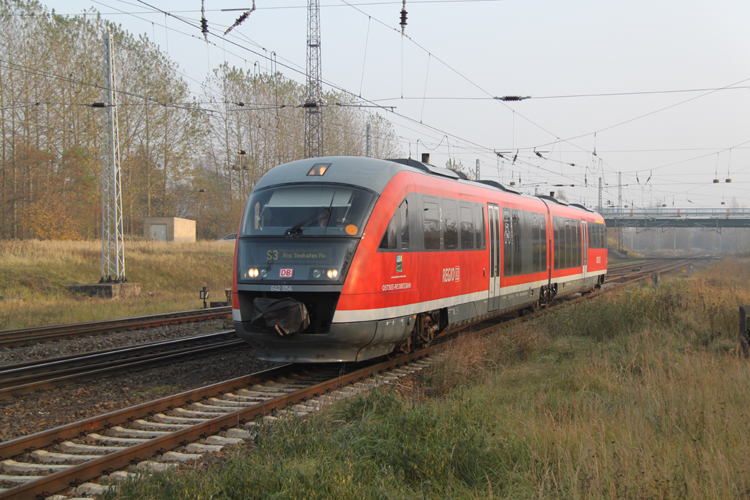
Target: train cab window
(431,224)
(389,237)
(403,211)
(312,210)
(450,225)
(467,228)
(397,233)
(479,226)
(597,235)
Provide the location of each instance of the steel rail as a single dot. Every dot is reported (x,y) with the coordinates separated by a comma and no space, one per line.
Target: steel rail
(46,365)
(23,336)
(145,361)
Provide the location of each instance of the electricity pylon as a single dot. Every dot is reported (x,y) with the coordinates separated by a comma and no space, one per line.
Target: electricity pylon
(314,99)
(113,246)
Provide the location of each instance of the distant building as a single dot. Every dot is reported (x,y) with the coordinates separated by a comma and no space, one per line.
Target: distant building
(169,229)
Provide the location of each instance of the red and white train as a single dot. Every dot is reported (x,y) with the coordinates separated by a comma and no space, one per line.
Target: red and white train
(349,258)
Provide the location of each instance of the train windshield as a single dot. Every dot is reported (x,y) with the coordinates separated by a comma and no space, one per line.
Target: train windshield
(309,210)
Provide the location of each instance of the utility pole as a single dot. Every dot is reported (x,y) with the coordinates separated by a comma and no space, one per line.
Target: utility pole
(600,195)
(477,176)
(314,100)
(113,245)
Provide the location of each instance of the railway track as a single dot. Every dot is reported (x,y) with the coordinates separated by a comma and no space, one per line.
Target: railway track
(192,423)
(180,428)
(22,378)
(24,336)
(646,268)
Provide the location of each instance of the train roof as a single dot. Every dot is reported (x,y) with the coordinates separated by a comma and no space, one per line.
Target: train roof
(375,174)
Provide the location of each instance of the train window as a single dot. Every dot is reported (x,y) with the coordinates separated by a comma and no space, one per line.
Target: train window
(557,246)
(479,225)
(313,210)
(543,243)
(467,228)
(536,243)
(389,238)
(507,243)
(431,225)
(597,235)
(450,225)
(576,225)
(569,241)
(517,254)
(403,210)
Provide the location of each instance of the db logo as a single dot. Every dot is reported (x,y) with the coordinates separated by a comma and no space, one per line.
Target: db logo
(286,273)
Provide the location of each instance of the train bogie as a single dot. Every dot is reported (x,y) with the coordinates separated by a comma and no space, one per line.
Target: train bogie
(345,259)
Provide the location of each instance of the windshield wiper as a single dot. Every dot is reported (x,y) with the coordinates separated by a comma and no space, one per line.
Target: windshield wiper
(296,229)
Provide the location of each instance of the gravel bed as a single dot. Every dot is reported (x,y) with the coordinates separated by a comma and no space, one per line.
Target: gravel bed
(44,350)
(30,413)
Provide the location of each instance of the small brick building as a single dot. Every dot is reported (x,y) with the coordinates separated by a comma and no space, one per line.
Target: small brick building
(169,229)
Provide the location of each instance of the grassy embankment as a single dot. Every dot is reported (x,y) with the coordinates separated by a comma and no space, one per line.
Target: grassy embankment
(637,396)
(170,275)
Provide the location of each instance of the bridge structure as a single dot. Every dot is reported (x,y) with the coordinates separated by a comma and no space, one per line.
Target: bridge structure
(660,217)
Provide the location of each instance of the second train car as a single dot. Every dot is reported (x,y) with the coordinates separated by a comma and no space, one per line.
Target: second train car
(349,258)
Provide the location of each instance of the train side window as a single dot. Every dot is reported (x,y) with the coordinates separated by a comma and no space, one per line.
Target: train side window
(467,228)
(389,238)
(479,226)
(431,225)
(507,244)
(450,225)
(543,243)
(576,226)
(568,244)
(517,254)
(535,245)
(556,246)
(404,213)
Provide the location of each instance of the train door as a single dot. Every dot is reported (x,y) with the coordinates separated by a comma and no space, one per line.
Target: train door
(495,257)
(585,247)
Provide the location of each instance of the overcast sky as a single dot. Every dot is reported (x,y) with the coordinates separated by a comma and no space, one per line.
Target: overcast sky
(657,90)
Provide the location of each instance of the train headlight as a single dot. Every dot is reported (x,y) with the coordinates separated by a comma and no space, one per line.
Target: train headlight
(316,273)
(253,272)
(332,273)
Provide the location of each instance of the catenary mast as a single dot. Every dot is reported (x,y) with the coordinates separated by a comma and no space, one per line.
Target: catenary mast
(113,246)
(314,100)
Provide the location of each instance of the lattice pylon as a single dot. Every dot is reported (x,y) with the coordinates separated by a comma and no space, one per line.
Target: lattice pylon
(314,99)
(113,246)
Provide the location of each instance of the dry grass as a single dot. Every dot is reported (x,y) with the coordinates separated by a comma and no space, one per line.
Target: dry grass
(170,275)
